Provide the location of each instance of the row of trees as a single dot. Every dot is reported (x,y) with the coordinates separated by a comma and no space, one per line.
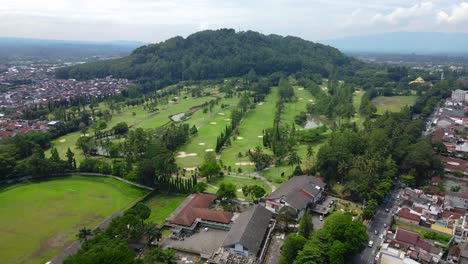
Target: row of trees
(111,245)
(237,114)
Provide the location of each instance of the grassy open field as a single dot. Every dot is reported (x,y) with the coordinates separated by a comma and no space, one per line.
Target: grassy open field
(250,132)
(210,126)
(39,219)
(393,103)
(163,205)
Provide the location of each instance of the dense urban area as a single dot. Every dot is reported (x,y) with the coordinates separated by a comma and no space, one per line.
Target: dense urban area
(284,151)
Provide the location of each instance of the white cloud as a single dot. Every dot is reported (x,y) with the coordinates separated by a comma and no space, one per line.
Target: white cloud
(156,20)
(403,15)
(459,13)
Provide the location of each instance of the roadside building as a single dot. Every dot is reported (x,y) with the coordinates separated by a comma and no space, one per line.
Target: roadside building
(298,193)
(245,242)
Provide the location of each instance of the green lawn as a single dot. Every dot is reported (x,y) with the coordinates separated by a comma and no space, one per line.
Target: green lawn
(274,174)
(250,132)
(303,97)
(163,205)
(142,119)
(39,219)
(210,126)
(393,103)
(239,182)
(357,97)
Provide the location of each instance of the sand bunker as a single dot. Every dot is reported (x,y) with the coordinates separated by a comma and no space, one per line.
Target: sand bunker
(239,190)
(62,140)
(220,113)
(190,169)
(182,154)
(300,88)
(201,144)
(260,136)
(213,123)
(310,100)
(300,98)
(261,103)
(245,163)
(240,138)
(209,150)
(227,119)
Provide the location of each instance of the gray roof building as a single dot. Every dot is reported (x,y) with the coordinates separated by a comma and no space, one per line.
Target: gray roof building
(298,191)
(248,231)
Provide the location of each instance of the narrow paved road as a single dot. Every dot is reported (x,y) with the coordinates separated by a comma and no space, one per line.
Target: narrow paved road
(367,256)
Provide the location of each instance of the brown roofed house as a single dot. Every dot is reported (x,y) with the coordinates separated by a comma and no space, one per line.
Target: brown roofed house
(197,207)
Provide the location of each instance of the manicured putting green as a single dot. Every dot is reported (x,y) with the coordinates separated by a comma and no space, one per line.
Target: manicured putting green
(40,219)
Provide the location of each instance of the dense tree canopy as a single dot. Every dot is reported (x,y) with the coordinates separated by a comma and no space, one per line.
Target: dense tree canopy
(217,54)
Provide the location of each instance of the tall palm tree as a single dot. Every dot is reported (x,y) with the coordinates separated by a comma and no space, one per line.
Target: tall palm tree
(294,159)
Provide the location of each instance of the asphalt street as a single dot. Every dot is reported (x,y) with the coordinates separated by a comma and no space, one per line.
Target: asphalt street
(367,256)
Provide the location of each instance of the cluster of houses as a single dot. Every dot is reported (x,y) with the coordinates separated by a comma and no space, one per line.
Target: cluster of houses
(32,85)
(10,125)
(449,123)
(445,215)
(200,226)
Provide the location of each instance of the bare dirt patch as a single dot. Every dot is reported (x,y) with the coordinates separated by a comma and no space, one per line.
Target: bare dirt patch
(183,154)
(56,241)
(245,163)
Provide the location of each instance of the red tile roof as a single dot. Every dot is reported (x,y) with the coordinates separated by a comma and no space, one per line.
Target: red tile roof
(405,213)
(6,134)
(436,179)
(418,209)
(454,215)
(412,238)
(406,236)
(198,208)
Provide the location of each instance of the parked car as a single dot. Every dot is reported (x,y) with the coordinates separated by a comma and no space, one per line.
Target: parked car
(371,243)
(376,232)
(387,210)
(385,225)
(321,218)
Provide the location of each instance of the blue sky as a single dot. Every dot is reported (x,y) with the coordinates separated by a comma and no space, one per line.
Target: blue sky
(155,20)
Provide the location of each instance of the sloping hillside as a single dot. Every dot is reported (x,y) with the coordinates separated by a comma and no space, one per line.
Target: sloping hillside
(218,54)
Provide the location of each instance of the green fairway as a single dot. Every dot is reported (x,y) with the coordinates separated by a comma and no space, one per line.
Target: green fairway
(40,219)
(239,182)
(291,110)
(210,126)
(250,132)
(142,118)
(163,205)
(357,97)
(393,103)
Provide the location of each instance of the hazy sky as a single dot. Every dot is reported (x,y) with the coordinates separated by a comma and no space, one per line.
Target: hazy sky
(156,20)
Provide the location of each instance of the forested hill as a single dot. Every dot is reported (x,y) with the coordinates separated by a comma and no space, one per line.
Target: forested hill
(218,54)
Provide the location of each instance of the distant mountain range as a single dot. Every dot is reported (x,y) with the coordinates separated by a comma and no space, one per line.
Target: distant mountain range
(63,49)
(404,43)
